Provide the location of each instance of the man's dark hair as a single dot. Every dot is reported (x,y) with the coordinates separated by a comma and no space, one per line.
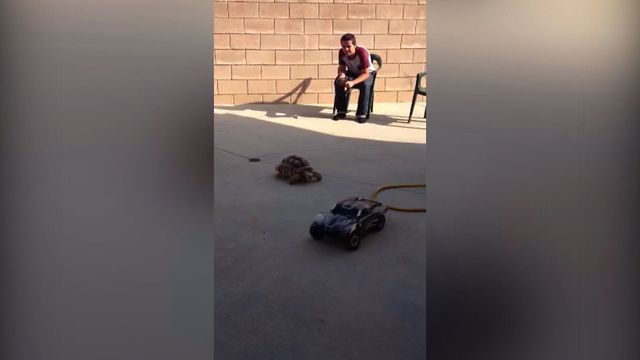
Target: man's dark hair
(348,37)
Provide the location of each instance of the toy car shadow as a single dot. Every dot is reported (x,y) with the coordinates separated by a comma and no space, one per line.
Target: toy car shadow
(350,219)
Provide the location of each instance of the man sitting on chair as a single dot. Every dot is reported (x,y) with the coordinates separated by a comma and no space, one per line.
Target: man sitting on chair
(354,71)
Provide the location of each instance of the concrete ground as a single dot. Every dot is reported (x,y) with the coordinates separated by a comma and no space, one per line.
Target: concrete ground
(278,293)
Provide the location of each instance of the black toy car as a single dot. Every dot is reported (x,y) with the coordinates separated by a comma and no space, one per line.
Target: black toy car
(350,219)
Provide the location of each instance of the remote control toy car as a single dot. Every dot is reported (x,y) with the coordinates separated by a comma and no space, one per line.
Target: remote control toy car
(350,219)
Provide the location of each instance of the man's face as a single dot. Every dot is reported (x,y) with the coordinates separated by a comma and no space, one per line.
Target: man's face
(348,47)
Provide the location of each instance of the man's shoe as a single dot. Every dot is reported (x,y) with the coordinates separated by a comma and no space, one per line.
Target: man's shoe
(361,119)
(339,116)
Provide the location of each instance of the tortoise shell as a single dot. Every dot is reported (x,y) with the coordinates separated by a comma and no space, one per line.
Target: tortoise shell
(297,169)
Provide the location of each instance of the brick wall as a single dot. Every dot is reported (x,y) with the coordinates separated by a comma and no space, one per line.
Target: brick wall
(286,50)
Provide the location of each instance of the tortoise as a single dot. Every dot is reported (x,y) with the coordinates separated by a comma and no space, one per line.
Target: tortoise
(297,170)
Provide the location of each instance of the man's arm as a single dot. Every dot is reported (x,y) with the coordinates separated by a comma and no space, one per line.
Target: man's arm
(364,75)
(342,71)
(364,72)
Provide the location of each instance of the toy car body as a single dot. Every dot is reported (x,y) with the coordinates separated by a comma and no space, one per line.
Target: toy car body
(350,219)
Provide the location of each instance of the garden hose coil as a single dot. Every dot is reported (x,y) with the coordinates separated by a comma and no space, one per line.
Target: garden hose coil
(379,190)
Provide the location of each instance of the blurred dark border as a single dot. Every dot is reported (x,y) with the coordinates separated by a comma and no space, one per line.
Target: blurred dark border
(532,173)
(107,180)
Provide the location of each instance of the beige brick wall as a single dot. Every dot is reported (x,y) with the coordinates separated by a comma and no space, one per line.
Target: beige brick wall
(265,49)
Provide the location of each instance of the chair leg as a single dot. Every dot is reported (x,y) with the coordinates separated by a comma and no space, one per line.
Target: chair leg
(370,109)
(372,93)
(334,104)
(425,109)
(413,104)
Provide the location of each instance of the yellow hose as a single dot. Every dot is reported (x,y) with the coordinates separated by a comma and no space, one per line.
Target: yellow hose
(375,193)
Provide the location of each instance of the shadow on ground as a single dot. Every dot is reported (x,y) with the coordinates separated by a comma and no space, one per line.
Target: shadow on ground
(276,110)
(281,295)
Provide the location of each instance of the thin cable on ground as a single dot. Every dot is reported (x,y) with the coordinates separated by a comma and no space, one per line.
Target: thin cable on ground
(373,195)
(232,153)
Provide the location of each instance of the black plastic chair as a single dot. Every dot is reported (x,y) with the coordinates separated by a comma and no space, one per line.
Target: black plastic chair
(375,58)
(419,90)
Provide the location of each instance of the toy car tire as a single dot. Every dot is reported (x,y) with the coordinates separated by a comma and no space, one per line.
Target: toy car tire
(353,242)
(379,223)
(316,233)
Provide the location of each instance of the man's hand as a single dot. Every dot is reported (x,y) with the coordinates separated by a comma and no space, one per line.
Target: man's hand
(348,85)
(342,80)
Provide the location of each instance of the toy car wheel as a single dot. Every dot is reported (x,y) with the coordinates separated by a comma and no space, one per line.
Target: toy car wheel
(315,232)
(353,241)
(379,223)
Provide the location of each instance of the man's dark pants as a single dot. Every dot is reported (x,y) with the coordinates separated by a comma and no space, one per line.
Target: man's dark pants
(364,89)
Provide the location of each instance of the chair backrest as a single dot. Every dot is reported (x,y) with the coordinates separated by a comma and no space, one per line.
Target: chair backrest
(419,78)
(375,58)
